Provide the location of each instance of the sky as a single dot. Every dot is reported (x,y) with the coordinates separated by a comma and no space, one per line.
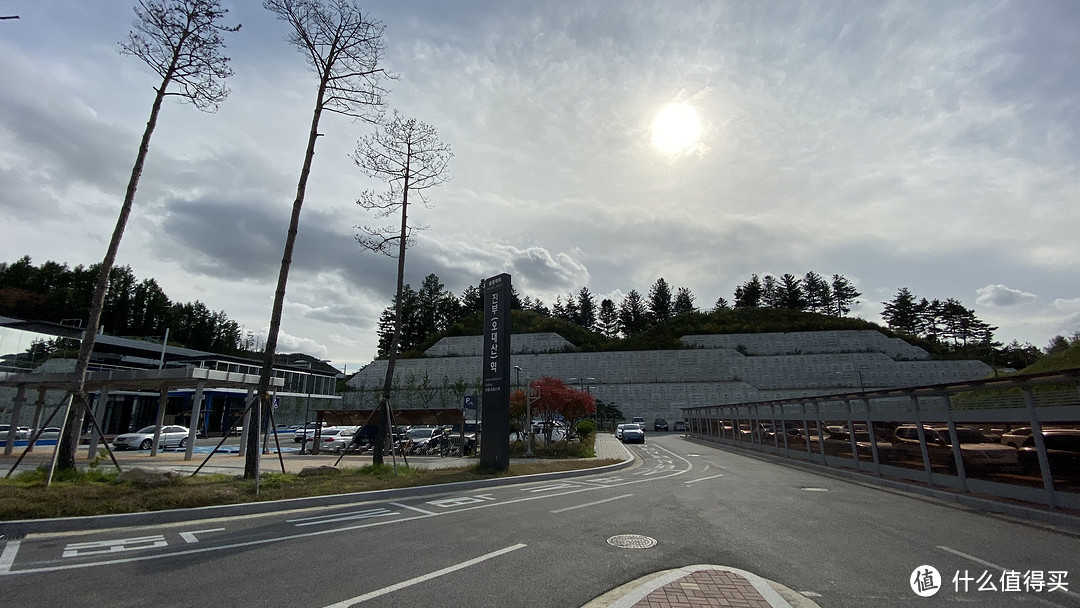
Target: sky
(926,145)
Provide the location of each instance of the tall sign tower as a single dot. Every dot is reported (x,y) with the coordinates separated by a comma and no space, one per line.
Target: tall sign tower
(495,436)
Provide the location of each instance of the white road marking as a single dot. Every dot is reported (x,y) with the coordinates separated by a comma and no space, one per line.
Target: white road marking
(8,556)
(589,504)
(326,519)
(426,577)
(458,501)
(359,526)
(190,536)
(704,478)
(982,562)
(556,486)
(412,508)
(98,547)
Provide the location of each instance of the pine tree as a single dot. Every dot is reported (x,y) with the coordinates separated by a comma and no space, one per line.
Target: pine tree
(660,305)
(608,319)
(633,316)
(586,305)
(684,302)
(844,295)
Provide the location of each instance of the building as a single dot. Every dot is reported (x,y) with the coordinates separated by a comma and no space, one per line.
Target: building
(304,384)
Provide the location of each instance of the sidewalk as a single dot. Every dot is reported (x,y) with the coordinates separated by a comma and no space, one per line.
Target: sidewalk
(231,463)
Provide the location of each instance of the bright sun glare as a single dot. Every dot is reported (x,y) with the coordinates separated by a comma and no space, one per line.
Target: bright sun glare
(675,128)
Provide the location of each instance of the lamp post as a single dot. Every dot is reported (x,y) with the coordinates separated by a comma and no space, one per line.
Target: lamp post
(528,412)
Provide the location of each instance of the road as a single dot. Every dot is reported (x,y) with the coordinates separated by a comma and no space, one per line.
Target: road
(547,544)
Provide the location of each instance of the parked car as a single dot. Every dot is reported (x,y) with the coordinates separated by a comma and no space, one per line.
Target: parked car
(143,439)
(660,424)
(21,432)
(416,439)
(50,432)
(976,449)
(1062,452)
(839,442)
(307,430)
(1018,436)
(633,433)
(679,426)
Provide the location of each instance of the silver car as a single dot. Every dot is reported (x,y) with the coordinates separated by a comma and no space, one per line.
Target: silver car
(143,438)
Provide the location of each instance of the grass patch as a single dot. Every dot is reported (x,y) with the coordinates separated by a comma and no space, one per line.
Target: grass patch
(96,492)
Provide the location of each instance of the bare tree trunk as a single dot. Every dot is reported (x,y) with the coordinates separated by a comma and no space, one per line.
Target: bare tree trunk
(251,458)
(377,457)
(69,443)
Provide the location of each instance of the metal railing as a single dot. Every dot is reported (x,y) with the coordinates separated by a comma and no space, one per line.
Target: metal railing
(924,434)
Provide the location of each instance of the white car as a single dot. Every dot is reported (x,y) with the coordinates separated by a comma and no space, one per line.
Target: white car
(143,439)
(307,431)
(21,432)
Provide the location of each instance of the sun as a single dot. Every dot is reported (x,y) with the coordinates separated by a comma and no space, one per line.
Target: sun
(676,128)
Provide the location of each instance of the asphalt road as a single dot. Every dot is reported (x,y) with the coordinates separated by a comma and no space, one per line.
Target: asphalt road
(547,544)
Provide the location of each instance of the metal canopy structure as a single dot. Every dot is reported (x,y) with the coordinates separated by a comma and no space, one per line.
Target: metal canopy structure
(152,380)
(137,380)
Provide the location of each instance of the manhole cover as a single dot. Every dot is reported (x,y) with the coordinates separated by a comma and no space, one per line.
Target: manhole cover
(631,541)
(815,489)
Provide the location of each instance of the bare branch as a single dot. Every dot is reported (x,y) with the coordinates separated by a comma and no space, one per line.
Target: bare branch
(344,48)
(182,41)
(409,156)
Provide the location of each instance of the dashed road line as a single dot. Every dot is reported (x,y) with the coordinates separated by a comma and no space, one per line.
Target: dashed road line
(424,578)
(590,504)
(703,479)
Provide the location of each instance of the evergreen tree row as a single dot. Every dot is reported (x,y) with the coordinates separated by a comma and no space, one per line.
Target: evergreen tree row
(56,293)
(431,310)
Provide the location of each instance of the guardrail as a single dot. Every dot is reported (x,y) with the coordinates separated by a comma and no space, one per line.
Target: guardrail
(924,434)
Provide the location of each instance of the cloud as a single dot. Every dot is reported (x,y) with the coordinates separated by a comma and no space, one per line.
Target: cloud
(1067,304)
(1001,296)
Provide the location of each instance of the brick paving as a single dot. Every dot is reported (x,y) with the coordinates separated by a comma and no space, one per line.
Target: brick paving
(706,588)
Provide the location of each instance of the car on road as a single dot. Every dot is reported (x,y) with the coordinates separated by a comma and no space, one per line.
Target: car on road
(679,426)
(633,433)
(976,449)
(660,424)
(638,420)
(619,431)
(143,439)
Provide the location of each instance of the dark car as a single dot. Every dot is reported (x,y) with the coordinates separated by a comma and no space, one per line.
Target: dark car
(1062,451)
(633,433)
(679,426)
(660,425)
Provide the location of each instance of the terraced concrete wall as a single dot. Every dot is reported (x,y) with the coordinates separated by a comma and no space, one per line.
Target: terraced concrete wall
(712,370)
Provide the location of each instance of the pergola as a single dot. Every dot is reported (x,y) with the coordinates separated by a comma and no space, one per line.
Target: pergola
(151,380)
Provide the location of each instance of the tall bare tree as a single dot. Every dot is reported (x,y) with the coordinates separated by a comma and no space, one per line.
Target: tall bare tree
(182,41)
(344,48)
(409,155)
